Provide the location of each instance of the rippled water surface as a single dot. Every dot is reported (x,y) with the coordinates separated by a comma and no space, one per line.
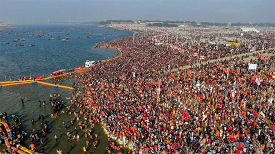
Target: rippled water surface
(48,55)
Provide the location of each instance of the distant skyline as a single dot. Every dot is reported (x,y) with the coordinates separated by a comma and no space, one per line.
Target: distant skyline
(35,11)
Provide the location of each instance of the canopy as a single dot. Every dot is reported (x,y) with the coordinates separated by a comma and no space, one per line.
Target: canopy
(59,71)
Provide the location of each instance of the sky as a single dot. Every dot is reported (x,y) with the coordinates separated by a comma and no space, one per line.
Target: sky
(37,11)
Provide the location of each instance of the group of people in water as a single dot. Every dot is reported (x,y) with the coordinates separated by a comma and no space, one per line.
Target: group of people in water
(17,136)
(83,130)
(83,122)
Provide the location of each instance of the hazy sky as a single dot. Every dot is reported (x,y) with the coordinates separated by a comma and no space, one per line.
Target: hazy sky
(34,11)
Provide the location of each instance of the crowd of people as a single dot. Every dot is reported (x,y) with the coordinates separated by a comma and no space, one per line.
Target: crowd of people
(218,106)
(56,104)
(84,122)
(164,98)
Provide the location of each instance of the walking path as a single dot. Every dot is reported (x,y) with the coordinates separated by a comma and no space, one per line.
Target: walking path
(54,85)
(215,60)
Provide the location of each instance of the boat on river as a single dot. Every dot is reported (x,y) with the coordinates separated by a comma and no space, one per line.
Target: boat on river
(89,63)
(58,73)
(19,45)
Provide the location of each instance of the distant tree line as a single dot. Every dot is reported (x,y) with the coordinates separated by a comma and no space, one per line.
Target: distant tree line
(162,25)
(254,24)
(167,23)
(116,21)
(239,24)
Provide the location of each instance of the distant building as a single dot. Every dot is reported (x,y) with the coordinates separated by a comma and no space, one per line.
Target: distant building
(247,29)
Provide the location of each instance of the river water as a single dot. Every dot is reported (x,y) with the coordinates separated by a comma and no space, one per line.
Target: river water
(48,55)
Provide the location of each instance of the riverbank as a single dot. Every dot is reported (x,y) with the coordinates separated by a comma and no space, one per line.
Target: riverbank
(120,141)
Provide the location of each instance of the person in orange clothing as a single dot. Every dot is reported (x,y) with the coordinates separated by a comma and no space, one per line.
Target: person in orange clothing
(32,146)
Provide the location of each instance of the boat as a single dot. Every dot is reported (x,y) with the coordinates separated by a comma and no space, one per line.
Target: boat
(63,40)
(58,73)
(89,63)
(22,39)
(7,43)
(16,40)
(39,35)
(39,78)
(19,45)
(32,45)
